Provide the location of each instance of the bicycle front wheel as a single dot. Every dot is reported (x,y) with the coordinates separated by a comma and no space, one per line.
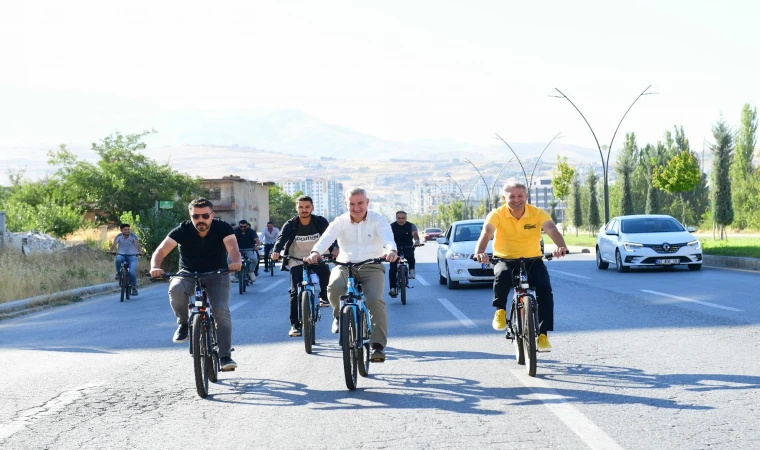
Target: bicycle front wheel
(515,323)
(123,284)
(200,353)
(241,280)
(529,336)
(402,279)
(307,328)
(364,350)
(348,338)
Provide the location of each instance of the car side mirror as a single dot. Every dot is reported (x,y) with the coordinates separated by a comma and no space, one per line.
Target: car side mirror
(691,229)
(441,240)
(610,232)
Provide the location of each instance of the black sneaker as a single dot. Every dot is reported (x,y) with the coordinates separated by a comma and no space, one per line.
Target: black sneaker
(134,292)
(393,293)
(323,303)
(226,363)
(181,334)
(378,355)
(295,331)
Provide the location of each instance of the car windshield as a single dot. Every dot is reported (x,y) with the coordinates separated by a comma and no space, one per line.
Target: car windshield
(432,230)
(467,232)
(651,225)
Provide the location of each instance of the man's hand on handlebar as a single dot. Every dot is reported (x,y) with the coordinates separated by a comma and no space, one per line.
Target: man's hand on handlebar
(156,272)
(560,252)
(234,267)
(313,258)
(274,256)
(391,256)
(481,258)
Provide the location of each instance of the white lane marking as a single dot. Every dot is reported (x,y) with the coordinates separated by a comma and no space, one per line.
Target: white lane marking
(588,431)
(457,313)
(422,281)
(690,300)
(50,408)
(271,286)
(238,305)
(570,274)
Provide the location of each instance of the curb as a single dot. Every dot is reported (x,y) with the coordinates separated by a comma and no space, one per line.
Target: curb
(44,299)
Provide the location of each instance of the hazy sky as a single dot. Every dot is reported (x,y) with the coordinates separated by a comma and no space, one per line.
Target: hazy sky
(74,71)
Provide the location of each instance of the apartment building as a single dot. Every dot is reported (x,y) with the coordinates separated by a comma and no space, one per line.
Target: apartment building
(326,194)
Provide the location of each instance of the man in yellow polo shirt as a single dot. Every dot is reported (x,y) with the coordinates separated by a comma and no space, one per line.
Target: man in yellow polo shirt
(517,226)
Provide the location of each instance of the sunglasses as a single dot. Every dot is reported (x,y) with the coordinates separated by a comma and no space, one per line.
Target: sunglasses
(198,216)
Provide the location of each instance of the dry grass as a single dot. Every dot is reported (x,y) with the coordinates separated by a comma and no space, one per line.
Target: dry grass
(46,273)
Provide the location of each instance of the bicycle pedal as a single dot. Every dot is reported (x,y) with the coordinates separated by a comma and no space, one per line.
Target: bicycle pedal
(226,370)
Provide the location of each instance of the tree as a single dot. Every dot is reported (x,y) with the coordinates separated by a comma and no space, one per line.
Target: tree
(281,206)
(562,177)
(594,219)
(553,211)
(122,180)
(625,166)
(577,207)
(650,158)
(680,175)
(745,185)
(722,206)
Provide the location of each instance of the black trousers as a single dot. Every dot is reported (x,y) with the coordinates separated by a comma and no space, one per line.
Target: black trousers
(538,277)
(267,260)
(409,255)
(296,277)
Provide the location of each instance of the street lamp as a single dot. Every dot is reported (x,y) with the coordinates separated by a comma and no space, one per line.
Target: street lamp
(605,164)
(464,212)
(529,182)
(488,191)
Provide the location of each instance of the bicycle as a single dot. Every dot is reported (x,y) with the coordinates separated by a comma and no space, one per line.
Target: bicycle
(245,269)
(204,346)
(308,303)
(124,283)
(268,263)
(522,322)
(402,273)
(355,325)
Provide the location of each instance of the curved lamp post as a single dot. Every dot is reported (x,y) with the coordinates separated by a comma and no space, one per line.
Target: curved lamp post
(528,182)
(605,163)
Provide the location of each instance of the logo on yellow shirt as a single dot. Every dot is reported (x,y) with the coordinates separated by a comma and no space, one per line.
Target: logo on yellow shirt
(529,226)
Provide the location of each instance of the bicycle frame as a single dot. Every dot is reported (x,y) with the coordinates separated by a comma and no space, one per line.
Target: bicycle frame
(522,290)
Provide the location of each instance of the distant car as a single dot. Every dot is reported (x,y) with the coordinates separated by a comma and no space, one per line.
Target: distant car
(456,248)
(431,233)
(647,241)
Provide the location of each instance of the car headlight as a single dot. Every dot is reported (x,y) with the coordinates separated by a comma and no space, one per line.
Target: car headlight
(695,245)
(631,247)
(458,255)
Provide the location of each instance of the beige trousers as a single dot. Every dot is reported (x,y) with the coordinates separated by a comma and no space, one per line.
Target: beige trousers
(372,279)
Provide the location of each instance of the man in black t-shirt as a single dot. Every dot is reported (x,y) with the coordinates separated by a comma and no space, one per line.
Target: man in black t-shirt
(298,236)
(248,243)
(204,243)
(405,235)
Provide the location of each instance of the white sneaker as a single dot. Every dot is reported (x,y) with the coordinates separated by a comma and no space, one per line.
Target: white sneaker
(411,273)
(335,326)
(253,276)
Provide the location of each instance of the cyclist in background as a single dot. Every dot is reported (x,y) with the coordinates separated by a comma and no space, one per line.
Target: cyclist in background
(299,234)
(405,234)
(269,235)
(517,226)
(248,240)
(204,243)
(127,244)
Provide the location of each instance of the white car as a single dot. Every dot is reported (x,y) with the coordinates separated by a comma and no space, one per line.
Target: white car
(647,241)
(455,250)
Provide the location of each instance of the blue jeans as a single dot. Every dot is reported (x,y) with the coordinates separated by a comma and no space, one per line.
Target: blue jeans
(132,260)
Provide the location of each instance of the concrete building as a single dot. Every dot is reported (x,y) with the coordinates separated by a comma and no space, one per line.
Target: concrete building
(542,195)
(236,198)
(326,194)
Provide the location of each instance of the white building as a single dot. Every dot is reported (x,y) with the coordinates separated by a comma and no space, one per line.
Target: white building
(326,194)
(542,196)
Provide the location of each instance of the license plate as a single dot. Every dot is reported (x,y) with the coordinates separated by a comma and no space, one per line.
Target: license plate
(665,262)
(486,266)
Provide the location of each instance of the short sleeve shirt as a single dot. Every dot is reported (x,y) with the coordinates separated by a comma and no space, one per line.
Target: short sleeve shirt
(306,237)
(517,238)
(202,254)
(247,240)
(126,246)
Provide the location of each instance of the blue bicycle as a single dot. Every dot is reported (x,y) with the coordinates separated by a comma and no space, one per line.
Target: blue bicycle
(355,325)
(308,304)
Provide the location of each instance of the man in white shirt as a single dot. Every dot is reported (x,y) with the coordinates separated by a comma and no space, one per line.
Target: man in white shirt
(269,237)
(361,235)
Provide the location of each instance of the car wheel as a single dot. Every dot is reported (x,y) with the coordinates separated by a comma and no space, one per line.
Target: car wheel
(695,266)
(441,278)
(600,263)
(451,284)
(619,262)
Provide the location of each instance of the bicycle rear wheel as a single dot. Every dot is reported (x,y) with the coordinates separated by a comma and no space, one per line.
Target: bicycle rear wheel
(529,336)
(516,324)
(213,374)
(307,329)
(348,338)
(402,278)
(241,279)
(200,359)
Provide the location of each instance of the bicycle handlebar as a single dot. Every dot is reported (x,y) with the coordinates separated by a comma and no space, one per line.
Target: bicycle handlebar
(124,254)
(195,274)
(356,264)
(295,258)
(410,246)
(496,259)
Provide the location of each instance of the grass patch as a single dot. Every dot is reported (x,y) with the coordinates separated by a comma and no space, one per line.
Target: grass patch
(46,273)
(747,247)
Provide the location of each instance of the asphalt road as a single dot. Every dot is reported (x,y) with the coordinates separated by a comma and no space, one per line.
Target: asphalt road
(650,359)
